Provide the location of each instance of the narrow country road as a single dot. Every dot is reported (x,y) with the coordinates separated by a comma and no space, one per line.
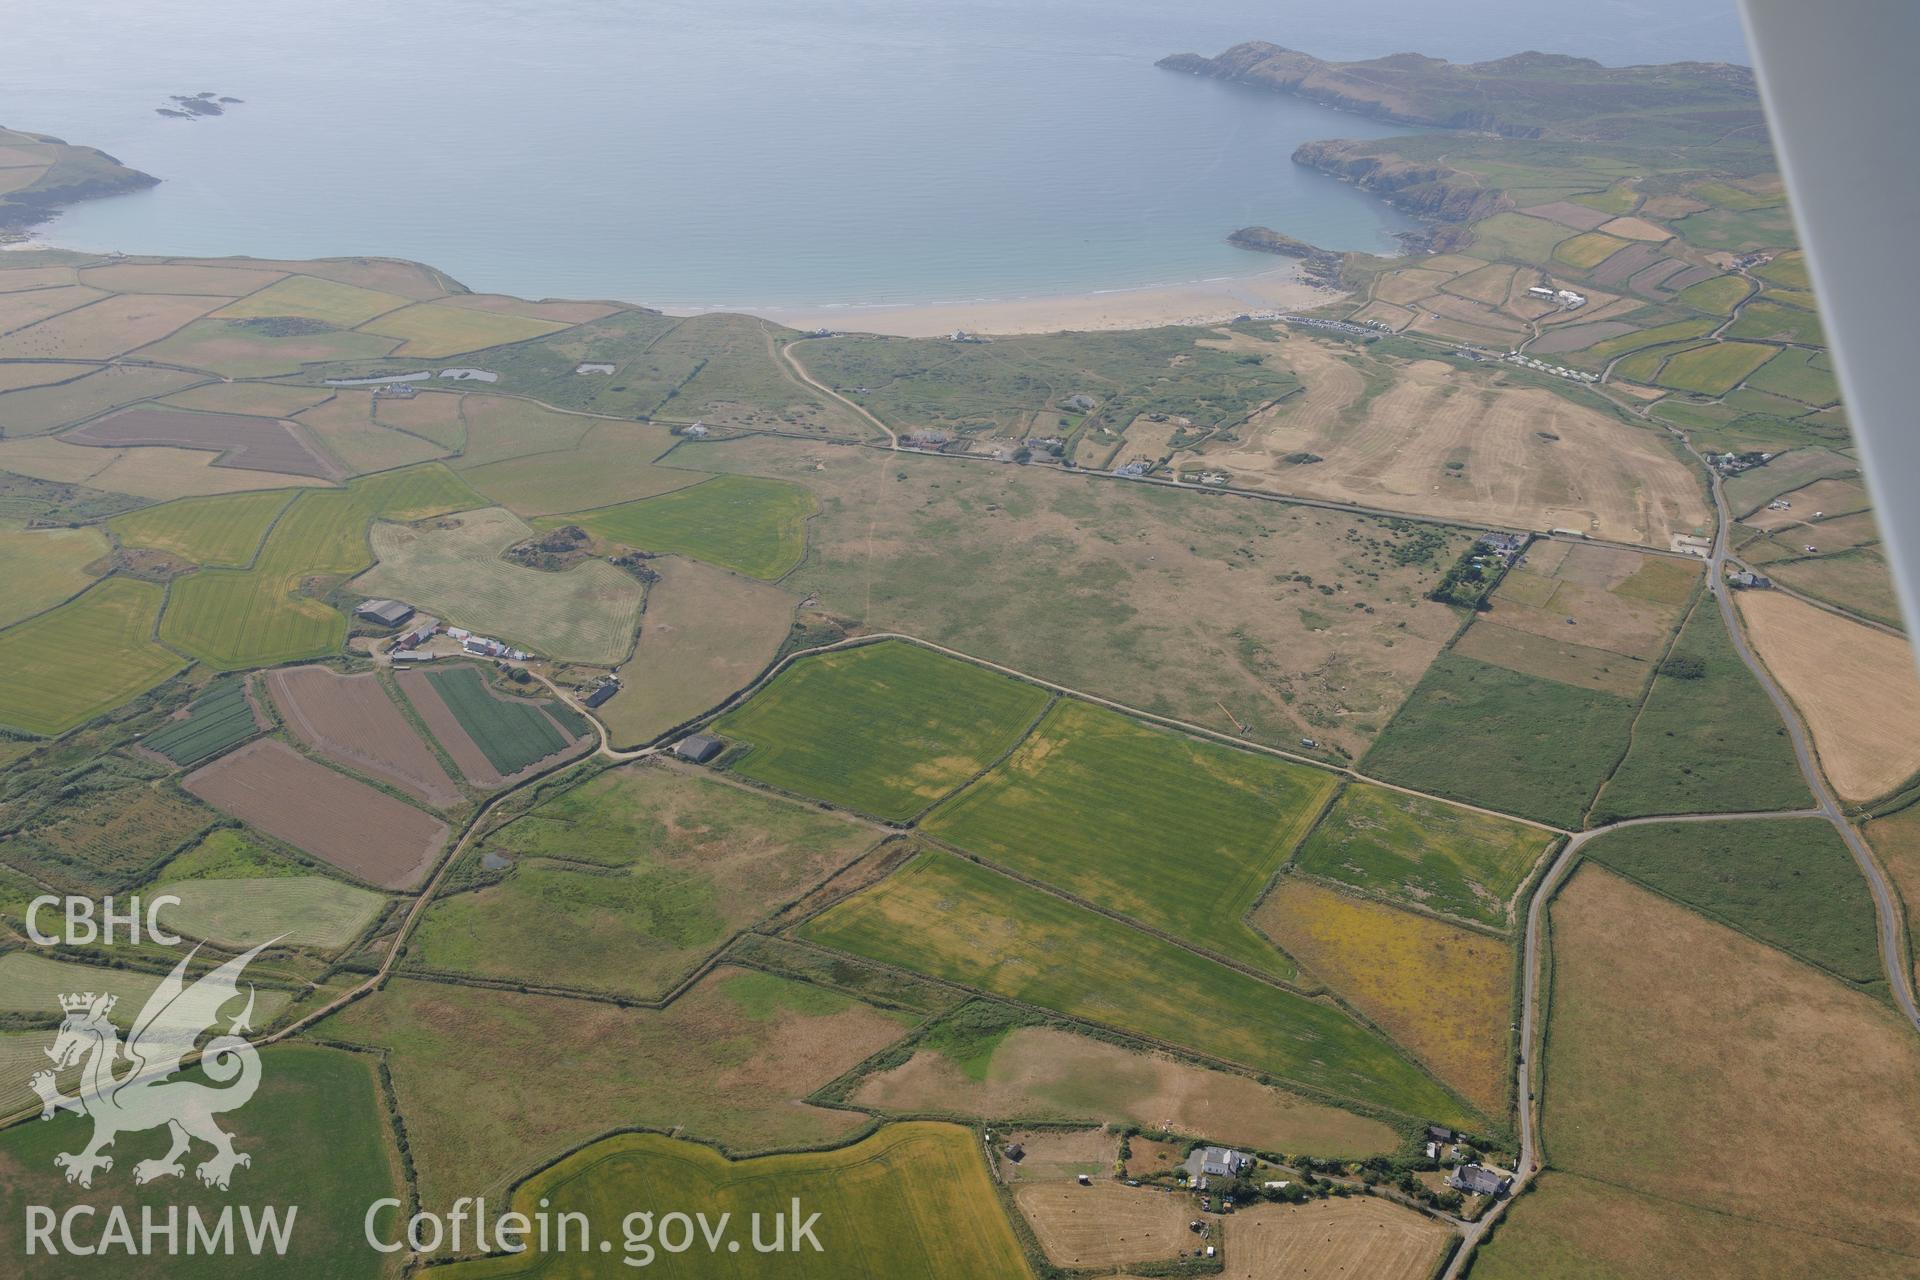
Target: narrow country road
(1885,903)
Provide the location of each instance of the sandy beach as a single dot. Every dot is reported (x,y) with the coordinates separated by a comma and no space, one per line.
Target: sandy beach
(1201,302)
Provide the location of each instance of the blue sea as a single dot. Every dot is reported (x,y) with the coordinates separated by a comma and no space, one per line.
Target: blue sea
(746,153)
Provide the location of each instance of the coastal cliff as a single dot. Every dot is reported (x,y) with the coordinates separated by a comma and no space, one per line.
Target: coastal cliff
(68,175)
(1529,95)
(1436,192)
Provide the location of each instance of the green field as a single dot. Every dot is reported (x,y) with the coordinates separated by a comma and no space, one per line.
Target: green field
(1738,231)
(429,329)
(31,983)
(626,882)
(311,297)
(1779,323)
(885,728)
(1176,832)
(1708,739)
(1588,249)
(1717,295)
(911,1202)
(233,618)
(68,665)
(1480,733)
(611,462)
(949,918)
(1715,369)
(1754,488)
(511,732)
(1787,881)
(224,530)
(235,350)
(42,567)
(219,718)
(1515,237)
(454,568)
(1679,331)
(1422,852)
(299,911)
(1789,271)
(317,1134)
(1800,374)
(227,854)
(756,526)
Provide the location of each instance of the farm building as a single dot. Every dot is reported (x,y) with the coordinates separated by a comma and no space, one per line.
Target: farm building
(1218,1162)
(606,689)
(388,613)
(418,634)
(1479,1180)
(699,747)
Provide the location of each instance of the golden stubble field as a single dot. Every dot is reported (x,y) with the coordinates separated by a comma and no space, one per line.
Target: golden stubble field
(1854,685)
(1332,1240)
(1689,1062)
(1470,445)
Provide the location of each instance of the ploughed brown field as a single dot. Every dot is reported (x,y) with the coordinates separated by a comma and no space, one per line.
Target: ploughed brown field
(351,721)
(364,832)
(249,443)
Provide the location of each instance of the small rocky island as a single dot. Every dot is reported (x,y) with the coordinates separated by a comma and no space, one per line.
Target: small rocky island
(192,106)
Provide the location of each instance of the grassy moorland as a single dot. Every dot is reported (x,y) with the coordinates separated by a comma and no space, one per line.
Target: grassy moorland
(624,883)
(1017,383)
(926,1176)
(952,919)
(885,728)
(1176,832)
(727,1062)
(1415,850)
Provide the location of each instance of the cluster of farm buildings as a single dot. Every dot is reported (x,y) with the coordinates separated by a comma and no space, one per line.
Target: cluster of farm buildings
(420,628)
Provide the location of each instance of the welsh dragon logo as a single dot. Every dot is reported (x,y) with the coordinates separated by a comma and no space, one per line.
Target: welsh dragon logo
(141,1096)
